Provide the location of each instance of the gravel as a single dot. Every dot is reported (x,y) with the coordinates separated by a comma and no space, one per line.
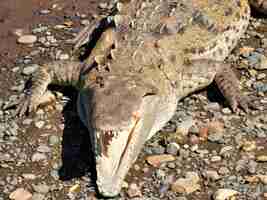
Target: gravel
(43,155)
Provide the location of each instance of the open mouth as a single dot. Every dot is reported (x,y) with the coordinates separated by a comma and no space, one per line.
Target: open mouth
(113,163)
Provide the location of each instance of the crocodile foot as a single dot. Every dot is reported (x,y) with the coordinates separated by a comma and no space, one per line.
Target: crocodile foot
(29,104)
(228,85)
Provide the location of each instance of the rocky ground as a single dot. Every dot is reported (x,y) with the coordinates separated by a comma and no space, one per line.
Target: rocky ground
(205,152)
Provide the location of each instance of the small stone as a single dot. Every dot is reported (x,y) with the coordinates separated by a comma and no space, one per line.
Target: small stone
(37,196)
(261,158)
(75,188)
(45,12)
(27,121)
(248,146)
(28,70)
(157,160)
(261,76)
(224,194)
(85,22)
(29,176)
(36,157)
(27,39)
(173,148)
(252,166)
(53,140)
(64,56)
(43,149)
(41,188)
(226,111)
(212,107)
(134,191)
(226,149)
(187,185)
(20,194)
(216,159)
(39,124)
(263,179)
(103,5)
(212,175)
(263,63)
(224,171)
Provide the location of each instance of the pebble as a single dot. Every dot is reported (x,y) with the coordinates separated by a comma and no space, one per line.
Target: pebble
(28,70)
(224,194)
(43,149)
(187,185)
(20,194)
(41,188)
(263,63)
(27,39)
(215,159)
(157,160)
(29,176)
(45,12)
(27,121)
(39,124)
(53,140)
(261,158)
(173,148)
(37,196)
(212,175)
(226,111)
(64,56)
(134,191)
(36,157)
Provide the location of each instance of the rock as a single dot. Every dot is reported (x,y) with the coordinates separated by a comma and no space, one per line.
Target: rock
(134,191)
(226,111)
(53,140)
(37,196)
(252,166)
(30,69)
(75,188)
(224,194)
(173,148)
(29,176)
(262,64)
(187,185)
(248,146)
(44,12)
(215,159)
(20,194)
(211,175)
(43,149)
(36,157)
(261,158)
(27,39)
(64,56)
(41,188)
(157,160)
(39,124)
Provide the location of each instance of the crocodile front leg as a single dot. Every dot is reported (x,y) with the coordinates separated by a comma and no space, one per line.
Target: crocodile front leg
(59,72)
(197,74)
(227,83)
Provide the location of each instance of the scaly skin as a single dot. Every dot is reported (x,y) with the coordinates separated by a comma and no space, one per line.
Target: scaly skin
(164,50)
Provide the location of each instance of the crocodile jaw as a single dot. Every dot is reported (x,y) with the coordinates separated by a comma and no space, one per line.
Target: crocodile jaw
(117,146)
(123,149)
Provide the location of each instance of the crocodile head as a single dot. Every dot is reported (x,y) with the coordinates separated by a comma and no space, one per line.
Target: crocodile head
(119,115)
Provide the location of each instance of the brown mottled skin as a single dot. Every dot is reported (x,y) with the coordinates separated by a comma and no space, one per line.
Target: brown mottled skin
(149,56)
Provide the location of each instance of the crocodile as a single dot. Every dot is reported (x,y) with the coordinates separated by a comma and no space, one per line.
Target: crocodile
(149,55)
